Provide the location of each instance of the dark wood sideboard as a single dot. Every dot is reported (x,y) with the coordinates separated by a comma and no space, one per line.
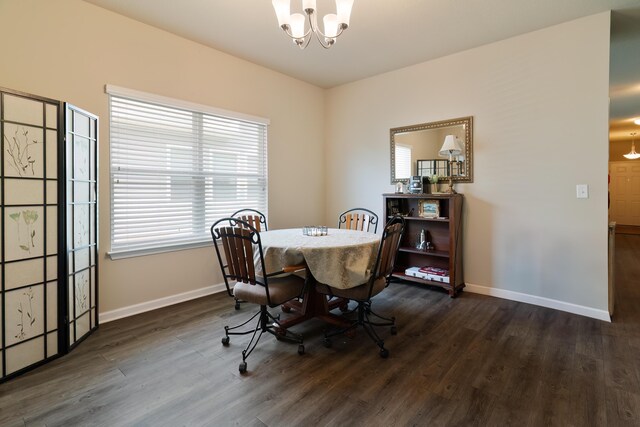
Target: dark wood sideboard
(444,233)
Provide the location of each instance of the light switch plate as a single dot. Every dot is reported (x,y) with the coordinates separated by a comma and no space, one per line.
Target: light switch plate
(582,191)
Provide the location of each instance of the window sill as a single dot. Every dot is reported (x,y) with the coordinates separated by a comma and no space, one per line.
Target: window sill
(123,254)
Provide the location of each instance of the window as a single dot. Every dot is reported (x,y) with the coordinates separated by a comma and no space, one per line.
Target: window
(176,168)
(403,161)
(432,167)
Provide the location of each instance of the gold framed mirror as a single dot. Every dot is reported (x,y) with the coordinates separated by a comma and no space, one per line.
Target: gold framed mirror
(415,150)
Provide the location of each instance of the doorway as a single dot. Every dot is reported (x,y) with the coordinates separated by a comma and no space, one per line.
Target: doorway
(624,126)
(625,193)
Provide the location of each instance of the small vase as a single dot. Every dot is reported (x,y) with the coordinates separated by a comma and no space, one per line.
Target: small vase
(433,188)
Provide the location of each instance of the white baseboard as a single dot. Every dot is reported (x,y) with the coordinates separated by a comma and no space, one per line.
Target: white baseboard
(131,310)
(541,301)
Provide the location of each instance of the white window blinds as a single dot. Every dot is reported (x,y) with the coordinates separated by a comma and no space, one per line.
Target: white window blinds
(176,168)
(403,161)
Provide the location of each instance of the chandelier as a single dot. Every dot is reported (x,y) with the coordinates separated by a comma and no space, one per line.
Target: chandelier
(294,24)
(632,155)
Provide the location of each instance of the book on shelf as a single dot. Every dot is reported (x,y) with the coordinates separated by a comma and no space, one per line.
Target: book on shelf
(415,272)
(435,271)
(429,273)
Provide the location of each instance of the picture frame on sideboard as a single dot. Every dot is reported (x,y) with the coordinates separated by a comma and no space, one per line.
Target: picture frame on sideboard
(429,208)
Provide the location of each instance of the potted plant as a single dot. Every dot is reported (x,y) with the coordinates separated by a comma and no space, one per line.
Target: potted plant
(433,184)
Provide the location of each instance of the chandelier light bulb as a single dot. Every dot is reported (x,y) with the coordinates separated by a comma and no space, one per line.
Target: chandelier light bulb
(283,10)
(330,27)
(344,11)
(309,5)
(297,25)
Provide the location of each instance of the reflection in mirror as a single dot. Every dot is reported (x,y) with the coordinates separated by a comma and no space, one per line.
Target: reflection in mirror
(415,150)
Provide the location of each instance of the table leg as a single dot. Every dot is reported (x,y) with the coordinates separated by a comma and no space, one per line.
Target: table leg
(343,303)
(313,305)
(332,303)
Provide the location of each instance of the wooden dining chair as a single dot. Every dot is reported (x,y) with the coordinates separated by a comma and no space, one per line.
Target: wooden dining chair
(355,219)
(240,242)
(358,219)
(258,221)
(255,218)
(381,273)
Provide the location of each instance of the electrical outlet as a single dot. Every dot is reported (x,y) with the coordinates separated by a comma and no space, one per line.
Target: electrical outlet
(582,191)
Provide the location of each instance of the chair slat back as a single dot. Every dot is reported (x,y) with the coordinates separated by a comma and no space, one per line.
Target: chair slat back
(242,248)
(358,219)
(238,251)
(365,222)
(255,218)
(388,249)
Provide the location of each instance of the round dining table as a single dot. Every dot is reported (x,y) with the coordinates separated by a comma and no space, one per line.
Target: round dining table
(341,259)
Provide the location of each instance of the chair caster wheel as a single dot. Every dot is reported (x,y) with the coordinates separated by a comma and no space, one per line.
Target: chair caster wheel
(384,353)
(225,340)
(394,330)
(243,367)
(237,306)
(301,349)
(327,342)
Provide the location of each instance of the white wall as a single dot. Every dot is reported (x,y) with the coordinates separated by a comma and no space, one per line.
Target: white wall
(69,49)
(540,108)
(537,100)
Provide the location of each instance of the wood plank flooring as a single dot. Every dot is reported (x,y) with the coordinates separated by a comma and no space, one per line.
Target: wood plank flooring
(474,360)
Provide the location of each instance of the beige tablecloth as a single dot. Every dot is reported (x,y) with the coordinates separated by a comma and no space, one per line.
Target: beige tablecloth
(342,259)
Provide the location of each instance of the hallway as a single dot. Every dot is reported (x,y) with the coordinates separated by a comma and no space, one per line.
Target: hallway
(627,310)
(621,338)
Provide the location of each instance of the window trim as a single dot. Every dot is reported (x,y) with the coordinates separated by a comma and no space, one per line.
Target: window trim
(118,91)
(178,103)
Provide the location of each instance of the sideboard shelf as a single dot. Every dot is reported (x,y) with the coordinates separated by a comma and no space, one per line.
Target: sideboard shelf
(444,232)
(417,218)
(420,281)
(444,254)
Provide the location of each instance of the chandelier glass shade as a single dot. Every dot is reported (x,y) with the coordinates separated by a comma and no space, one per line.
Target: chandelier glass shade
(294,24)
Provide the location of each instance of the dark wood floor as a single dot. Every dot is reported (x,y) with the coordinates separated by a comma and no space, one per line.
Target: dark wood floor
(474,360)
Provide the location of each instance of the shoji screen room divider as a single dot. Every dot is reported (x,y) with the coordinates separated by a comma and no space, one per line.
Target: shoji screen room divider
(48,229)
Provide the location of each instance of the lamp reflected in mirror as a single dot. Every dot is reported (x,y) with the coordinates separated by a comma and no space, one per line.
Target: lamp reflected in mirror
(415,150)
(451,147)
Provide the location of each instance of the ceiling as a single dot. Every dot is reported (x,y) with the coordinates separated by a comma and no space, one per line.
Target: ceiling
(385,35)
